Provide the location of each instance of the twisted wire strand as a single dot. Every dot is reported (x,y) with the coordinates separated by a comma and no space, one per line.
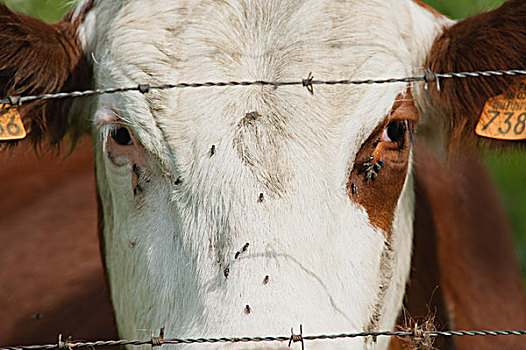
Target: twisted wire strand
(92,344)
(308,83)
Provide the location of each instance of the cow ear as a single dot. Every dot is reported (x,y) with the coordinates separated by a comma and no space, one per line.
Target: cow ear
(495,40)
(38,58)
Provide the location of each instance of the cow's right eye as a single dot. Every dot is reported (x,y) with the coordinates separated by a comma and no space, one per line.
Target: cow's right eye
(395,131)
(122,136)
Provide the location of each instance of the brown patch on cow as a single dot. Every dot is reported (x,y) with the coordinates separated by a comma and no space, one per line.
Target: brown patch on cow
(495,40)
(463,267)
(49,253)
(429,8)
(379,195)
(38,58)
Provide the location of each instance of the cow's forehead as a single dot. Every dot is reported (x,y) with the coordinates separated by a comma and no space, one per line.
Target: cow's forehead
(195,41)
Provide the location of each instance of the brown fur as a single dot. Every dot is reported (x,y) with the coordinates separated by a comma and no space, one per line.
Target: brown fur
(37,58)
(463,267)
(49,255)
(494,40)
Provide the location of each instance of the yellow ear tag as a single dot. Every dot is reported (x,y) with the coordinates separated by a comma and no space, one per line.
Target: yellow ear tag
(504,116)
(11,126)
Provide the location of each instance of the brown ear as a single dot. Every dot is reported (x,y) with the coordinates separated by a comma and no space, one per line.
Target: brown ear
(494,40)
(38,58)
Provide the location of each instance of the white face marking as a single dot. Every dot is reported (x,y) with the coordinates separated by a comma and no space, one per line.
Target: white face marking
(171,249)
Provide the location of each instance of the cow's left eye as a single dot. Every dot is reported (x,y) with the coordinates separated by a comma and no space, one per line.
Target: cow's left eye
(122,136)
(395,131)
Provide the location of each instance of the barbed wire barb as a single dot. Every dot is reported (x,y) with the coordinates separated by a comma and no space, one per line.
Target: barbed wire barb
(294,338)
(427,77)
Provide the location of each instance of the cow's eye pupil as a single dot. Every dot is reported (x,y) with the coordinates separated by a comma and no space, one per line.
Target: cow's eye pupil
(122,136)
(396,130)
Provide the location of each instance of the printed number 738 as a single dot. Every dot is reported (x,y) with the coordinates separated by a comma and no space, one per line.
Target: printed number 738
(518,128)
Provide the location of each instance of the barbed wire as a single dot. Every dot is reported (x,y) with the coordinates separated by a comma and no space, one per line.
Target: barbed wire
(159,341)
(309,82)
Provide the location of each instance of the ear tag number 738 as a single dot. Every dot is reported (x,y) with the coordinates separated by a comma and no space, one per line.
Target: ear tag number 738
(504,116)
(11,126)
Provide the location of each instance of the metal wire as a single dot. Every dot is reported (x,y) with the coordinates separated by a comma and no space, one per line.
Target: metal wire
(160,342)
(309,82)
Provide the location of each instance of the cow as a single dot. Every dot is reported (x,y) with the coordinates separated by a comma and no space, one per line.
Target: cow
(245,211)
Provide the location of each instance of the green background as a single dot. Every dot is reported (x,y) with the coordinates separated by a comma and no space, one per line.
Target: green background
(508,169)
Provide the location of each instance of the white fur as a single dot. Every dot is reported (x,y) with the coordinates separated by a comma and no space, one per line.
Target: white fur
(318,248)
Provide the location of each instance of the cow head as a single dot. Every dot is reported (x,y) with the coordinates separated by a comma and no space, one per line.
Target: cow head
(235,211)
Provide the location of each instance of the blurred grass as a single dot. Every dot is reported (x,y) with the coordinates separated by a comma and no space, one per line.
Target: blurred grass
(46,10)
(508,169)
(458,9)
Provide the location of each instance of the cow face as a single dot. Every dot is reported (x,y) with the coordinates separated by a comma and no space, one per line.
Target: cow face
(244,211)
(315,186)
